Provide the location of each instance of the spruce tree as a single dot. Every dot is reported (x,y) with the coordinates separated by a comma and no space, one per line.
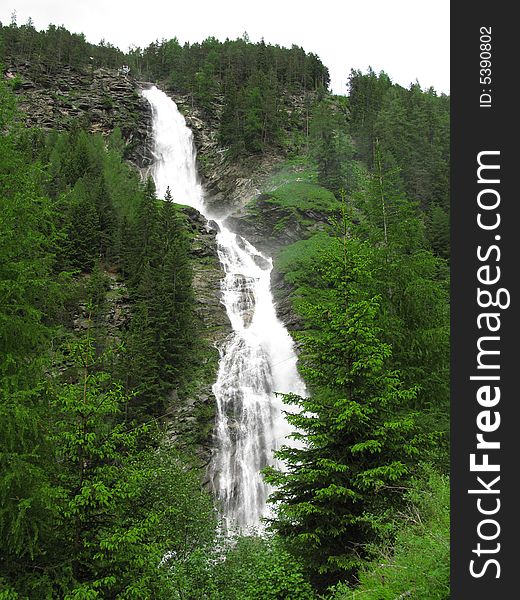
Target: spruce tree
(356,446)
(83,229)
(331,148)
(413,286)
(106,219)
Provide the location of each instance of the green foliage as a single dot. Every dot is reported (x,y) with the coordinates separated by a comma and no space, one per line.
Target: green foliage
(93,503)
(356,443)
(166,522)
(105,219)
(27,243)
(414,284)
(251,118)
(417,564)
(413,125)
(261,569)
(438,231)
(26,494)
(162,337)
(299,169)
(409,130)
(377,285)
(91,445)
(332,148)
(301,261)
(93,515)
(28,297)
(303,196)
(89,223)
(243,568)
(83,229)
(56,46)
(366,95)
(90,500)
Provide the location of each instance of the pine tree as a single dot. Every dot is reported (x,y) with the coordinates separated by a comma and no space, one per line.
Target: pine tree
(206,84)
(142,369)
(29,299)
(106,219)
(331,148)
(144,241)
(83,228)
(173,299)
(366,96)
(413,287)
(438,231)
(175,320)
(356,446)
(253,118)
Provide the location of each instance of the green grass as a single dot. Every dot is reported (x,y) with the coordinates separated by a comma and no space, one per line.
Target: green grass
(300,263)
(294,185)
(303,196)
(300,260)
(296,170)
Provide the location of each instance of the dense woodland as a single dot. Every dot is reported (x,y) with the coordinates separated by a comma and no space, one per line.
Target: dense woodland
(95,501)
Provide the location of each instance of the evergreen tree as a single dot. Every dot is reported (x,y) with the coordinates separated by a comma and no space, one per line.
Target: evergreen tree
(356,445)
(143,245)
(106,219)
(175,321)
(332,149)
(142,359)
(366,95)
(206,85)
(438,231)
(413,286)
(83,228)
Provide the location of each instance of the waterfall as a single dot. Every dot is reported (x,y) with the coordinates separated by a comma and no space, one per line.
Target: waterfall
(257,359)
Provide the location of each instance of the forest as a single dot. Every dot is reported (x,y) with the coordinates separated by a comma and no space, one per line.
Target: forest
(97,498)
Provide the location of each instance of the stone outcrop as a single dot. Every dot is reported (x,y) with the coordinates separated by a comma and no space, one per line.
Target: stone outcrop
(116,314)
(231,182)
(207,275)
(270,226)
(101,99)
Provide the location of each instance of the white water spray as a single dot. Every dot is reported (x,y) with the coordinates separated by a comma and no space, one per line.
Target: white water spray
(257,360)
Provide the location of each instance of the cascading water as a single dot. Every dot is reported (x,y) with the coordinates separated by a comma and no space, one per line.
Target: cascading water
(257,360)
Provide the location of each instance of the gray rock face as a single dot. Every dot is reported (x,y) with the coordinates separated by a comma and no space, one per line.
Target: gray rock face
(102,99)
(194,417)
(115,316)
(207,274)
(269,226)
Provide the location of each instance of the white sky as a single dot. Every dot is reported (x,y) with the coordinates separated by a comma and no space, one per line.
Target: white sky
(409,39)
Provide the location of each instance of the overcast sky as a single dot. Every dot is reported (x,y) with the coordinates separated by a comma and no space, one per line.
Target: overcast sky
(409,39)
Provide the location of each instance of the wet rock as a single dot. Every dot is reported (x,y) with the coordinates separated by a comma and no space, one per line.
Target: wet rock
(262,262)
(269,226)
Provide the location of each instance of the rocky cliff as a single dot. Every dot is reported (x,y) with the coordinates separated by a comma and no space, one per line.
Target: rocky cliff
(101,99)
